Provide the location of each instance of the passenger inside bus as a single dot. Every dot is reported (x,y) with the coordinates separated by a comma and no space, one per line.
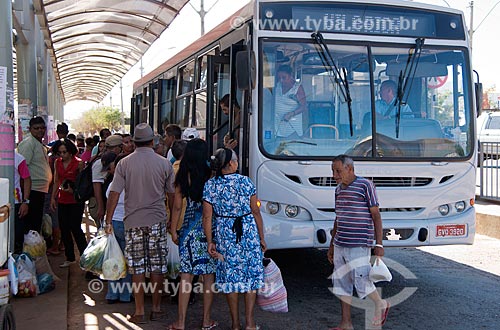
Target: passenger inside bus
(231,138)
(289,104)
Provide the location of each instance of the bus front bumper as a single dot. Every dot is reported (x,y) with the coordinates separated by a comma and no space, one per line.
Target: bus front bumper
(283,233)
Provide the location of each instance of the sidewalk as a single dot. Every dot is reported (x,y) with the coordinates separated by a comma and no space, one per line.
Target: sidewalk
(83,309)
(46,311)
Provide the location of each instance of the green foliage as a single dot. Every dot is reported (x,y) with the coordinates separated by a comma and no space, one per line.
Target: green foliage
(97,118)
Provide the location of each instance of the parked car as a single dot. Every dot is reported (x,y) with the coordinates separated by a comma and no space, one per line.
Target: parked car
(488,127)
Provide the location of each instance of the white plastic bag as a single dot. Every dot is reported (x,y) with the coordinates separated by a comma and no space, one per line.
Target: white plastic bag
(272,297)
(114,265)
(380,272)
(173,259)
(34,244)
(92,258)
(46,225)
(28,285)
(13,275)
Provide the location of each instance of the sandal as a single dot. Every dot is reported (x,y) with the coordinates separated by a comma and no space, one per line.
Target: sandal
(212,325)
(257,327)
(157,316)
(379,321)
(137,319)
(173,327)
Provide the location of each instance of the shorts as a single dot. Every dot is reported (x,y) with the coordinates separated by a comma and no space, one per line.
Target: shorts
(351,267)
(146,249)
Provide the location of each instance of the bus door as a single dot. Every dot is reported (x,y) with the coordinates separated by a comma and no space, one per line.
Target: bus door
(219,81)
(225,105)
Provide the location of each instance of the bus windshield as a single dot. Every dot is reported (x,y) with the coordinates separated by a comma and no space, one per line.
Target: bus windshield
(403,106)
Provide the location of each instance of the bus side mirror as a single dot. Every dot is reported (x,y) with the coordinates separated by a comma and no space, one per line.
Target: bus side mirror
(245,70)
(478,88)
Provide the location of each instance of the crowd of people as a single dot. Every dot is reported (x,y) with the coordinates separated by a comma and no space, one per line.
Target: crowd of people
(147,187)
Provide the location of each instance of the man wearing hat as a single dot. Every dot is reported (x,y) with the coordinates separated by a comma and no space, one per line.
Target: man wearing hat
(112,144)
(147,179)
(80,143)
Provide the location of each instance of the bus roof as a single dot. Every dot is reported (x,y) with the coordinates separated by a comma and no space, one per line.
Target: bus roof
(205,40)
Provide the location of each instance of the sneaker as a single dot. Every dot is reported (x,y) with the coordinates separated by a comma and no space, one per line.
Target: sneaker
(67,263)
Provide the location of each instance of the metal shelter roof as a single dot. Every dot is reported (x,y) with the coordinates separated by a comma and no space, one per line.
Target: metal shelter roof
(93,43)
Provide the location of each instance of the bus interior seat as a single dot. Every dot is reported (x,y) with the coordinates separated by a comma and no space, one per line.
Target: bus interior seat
(326,131)
(321,113)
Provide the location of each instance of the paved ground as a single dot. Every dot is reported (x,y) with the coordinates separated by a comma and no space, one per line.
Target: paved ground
(448,277)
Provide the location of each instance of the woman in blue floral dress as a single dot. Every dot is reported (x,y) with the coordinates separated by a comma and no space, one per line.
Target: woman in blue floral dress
(195,260)
(239,236)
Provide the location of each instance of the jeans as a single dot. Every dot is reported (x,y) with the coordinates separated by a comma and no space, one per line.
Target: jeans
(120,289)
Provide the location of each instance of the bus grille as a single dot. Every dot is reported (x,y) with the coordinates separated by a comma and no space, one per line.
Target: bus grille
(378,181)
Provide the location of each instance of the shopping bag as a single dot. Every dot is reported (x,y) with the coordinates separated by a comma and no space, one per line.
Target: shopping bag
(13,275)
(28,285)
(380,272)
(34,244)
(46,225)
(114,265)
(93,256)
(272,297)
(173,259)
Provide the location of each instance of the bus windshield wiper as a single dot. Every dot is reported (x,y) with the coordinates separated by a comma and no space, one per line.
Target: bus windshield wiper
(339,76)
(405,79)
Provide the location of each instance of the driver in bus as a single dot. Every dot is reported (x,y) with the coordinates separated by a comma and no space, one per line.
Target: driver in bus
(386,105)
(290,102)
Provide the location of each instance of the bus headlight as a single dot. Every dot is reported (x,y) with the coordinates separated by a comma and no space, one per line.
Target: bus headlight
(460,206)
(291,211)
(272,207)
(444,209)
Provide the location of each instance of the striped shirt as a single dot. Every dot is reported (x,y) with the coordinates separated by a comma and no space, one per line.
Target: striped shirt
(354,220)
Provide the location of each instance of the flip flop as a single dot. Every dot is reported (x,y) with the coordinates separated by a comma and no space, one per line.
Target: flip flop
(211,326)
(380,321)
(173,327)
(137,319)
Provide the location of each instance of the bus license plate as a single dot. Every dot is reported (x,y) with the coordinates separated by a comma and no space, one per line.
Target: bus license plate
(455,230)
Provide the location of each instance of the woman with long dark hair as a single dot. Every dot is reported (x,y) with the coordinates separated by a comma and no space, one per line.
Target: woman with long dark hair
(195,260)
(70,212)
(231,199)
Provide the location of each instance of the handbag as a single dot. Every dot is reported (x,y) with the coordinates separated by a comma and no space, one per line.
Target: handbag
(380,272)
(272,297)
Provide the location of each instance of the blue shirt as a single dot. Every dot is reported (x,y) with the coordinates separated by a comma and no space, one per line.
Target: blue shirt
(382,108)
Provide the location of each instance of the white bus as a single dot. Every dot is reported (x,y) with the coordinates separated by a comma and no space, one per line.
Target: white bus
(419,150)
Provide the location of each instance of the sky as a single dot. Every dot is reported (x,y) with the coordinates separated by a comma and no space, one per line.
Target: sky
(485,45)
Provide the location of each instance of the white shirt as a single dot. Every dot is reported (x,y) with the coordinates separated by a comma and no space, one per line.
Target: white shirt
(120,207)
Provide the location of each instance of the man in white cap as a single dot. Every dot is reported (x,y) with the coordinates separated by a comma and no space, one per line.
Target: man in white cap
(147,179)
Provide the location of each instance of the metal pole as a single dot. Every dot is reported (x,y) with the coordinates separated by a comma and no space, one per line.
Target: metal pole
(471,28)
(122,122)
(7,114)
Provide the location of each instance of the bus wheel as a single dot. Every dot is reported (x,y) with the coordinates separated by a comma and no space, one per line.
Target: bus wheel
(7,321)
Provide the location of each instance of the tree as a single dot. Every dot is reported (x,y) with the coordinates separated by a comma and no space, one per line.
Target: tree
(95,119)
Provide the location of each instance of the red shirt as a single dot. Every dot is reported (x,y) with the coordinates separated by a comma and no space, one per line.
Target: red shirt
(69,173)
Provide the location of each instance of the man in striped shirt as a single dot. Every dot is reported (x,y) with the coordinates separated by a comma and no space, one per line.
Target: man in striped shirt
(357,227)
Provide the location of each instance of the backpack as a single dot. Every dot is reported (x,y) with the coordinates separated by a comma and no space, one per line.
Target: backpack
(84,187)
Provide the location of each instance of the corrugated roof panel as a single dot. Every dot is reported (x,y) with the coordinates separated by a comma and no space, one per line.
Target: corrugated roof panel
(95,42)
